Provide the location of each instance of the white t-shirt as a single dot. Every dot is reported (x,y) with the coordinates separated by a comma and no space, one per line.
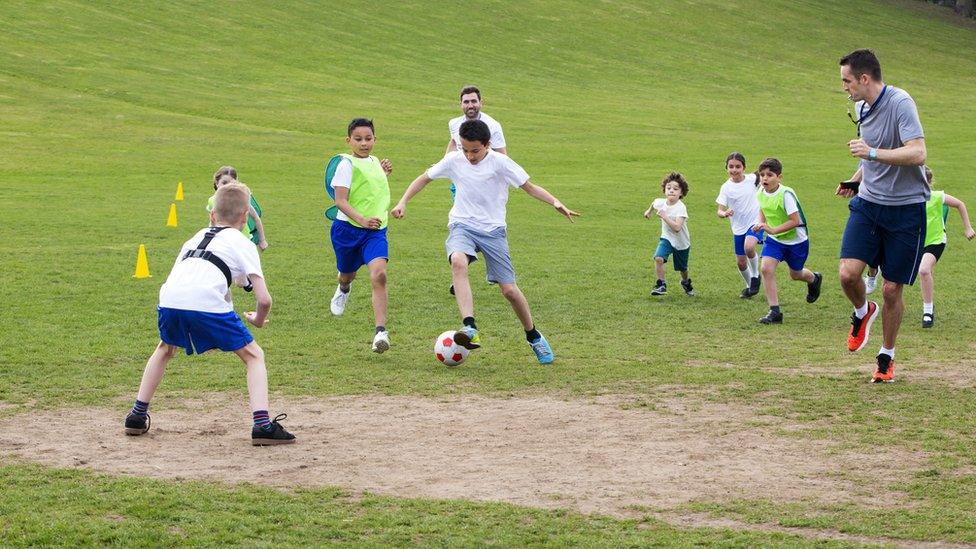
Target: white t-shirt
(482,188)
(198,285)
(497,137)
(789,203)
(680,240)
(741,198)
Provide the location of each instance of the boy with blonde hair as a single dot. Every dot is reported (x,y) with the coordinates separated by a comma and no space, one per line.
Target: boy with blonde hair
(196,313)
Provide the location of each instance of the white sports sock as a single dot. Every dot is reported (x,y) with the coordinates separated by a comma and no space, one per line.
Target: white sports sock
(746,275)
(889,352)
(873,279)
(928,308)
(861,311)
(753,266)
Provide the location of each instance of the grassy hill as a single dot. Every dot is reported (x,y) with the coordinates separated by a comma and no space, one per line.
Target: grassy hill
(106,106)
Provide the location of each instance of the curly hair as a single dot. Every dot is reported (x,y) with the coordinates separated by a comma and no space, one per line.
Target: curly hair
(677,178)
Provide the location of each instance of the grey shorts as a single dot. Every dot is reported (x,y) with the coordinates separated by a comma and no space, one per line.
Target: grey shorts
(492,245)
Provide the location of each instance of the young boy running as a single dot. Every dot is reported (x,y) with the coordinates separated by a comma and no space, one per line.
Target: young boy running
(476,223)
(781,217)
(196,313)
(675,238)
(358,233)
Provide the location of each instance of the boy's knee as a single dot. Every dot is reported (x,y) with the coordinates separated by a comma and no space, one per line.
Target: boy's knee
(659,260)
(378,277)
(459,263)
(251,351)
(796,275)
(740,261)
(768,269)
(510,291)
(925,271)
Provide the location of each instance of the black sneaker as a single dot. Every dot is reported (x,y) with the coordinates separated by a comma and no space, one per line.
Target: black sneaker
(813,288)
(772,317)
(136,425)
(686,284)
(277,434)
(452,289)
(928,320)
(752,290)
(746,293)
(660,288)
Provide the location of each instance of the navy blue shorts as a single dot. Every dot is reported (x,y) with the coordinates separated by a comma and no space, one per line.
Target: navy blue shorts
(356,246)
(199,332)
(891,237)
(795,255)
(739,240)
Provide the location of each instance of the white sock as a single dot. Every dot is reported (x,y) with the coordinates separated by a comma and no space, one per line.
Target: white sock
(889,352)
(753,266)
(928,308)
(746,275)
(861,311)
(873,279)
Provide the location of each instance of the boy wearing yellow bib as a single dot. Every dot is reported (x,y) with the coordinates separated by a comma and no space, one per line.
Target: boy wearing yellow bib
(936,213)
(362,195)
(781,217)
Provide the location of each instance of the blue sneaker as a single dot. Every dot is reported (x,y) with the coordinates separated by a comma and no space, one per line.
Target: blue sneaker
(468,338)
(542,350)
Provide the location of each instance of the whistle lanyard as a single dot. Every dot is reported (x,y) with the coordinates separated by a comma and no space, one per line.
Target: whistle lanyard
(861,117)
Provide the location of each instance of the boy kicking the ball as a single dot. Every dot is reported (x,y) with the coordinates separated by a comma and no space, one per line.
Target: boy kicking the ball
(476,223)
(196,313)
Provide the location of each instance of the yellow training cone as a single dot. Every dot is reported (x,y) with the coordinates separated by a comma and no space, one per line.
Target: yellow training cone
(179,191)
(171,220)
(142,264)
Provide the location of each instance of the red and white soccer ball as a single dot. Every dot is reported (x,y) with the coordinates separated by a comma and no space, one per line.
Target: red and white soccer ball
(448,351)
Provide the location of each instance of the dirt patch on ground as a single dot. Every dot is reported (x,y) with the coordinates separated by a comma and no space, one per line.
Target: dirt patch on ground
(607,455)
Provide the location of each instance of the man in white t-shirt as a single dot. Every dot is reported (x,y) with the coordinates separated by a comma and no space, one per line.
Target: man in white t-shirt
(477,223)
(196,312)
(471,109)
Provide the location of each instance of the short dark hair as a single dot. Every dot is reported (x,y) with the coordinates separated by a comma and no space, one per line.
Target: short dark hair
(863,62)
(677,178)
(771,164)
(470,89)
(360,123)
(475,130)
(736,156)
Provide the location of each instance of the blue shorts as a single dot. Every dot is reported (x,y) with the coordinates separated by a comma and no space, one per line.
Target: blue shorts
(795,255)
(199,332)
(891,237)
(665,249)
(739,240)
(355,246)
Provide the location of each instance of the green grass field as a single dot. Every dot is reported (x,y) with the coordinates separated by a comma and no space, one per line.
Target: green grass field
(106,106)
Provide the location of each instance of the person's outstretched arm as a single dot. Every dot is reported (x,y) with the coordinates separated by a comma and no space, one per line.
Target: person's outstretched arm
(415,187)
(542,195)
(954,202)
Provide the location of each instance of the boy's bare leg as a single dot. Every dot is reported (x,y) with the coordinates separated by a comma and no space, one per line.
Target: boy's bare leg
(891,313)
(345,279)
(462,287)
(926,277)
(519,304)
(769,280)
(257,375)
(805,275)
(659,267)
(155,368)
(377,276)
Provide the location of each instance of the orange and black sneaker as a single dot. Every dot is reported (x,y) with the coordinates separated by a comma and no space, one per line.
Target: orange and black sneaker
(861,328)
(885,372)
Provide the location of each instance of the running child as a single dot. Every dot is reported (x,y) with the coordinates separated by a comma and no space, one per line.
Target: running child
(362,194)
(476,223)
(737,201)
(254,229)
(196,313)
(782,219)
(675,238)
(937,213)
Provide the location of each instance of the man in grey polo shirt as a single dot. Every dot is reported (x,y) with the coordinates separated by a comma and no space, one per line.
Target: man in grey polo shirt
(886,226)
